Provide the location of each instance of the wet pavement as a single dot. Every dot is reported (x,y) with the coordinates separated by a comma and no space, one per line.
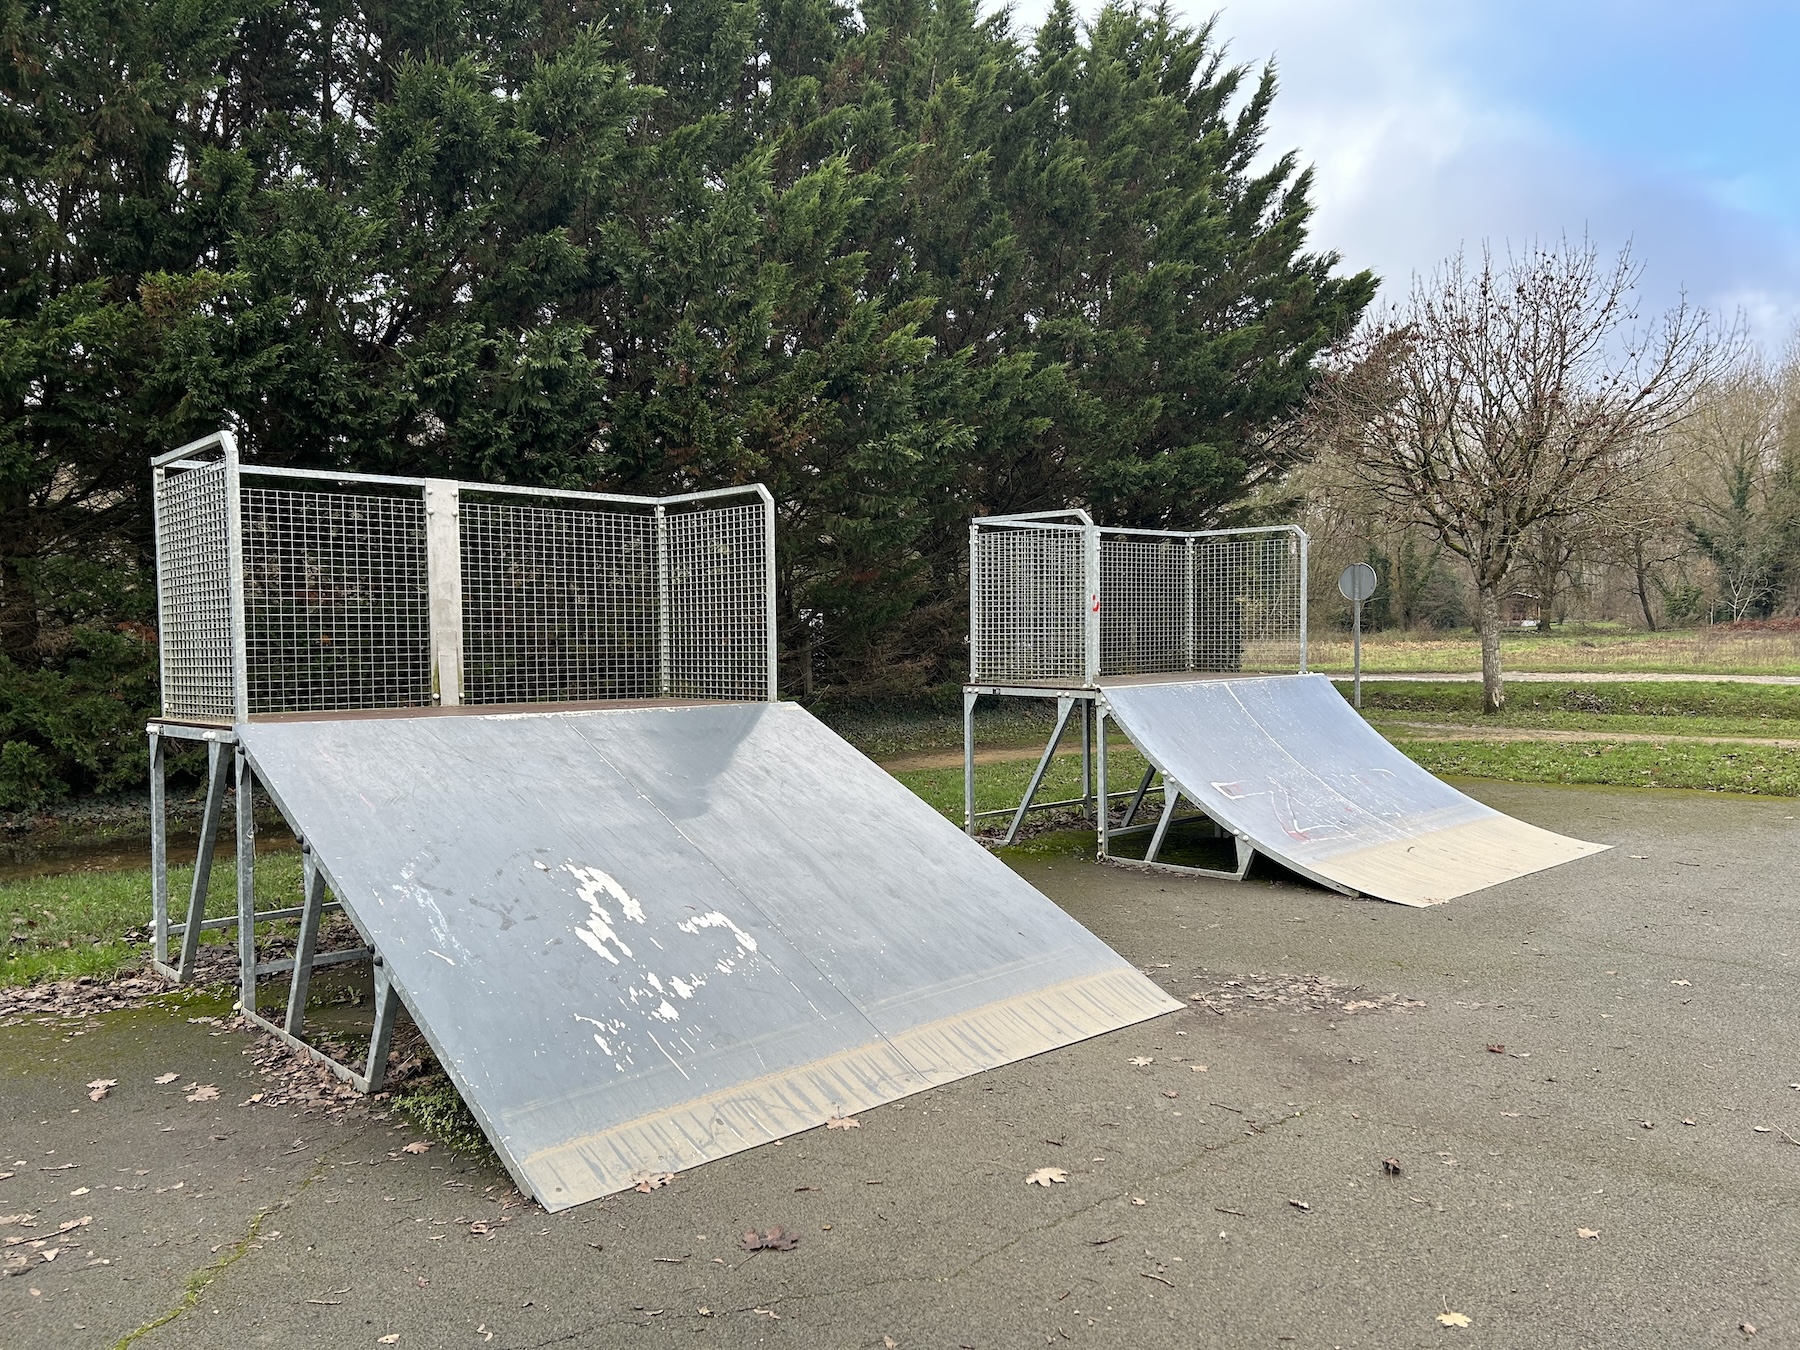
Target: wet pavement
(1603,1049)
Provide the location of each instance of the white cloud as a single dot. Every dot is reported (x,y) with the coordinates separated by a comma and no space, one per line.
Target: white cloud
(1403,109)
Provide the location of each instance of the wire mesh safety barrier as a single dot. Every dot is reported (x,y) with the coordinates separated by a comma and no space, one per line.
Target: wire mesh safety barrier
(1055,602)
(194,592)
(286,591)
(335,612)
(718,603)
(1027,620)
(558,605)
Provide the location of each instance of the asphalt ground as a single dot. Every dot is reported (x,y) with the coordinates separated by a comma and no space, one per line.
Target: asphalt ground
(1607,1049)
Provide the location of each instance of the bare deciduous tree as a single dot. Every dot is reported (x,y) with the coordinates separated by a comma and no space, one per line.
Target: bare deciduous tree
(1506,397)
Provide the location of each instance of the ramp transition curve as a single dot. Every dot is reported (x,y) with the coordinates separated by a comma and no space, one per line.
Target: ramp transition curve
(1286,763)
(642,938)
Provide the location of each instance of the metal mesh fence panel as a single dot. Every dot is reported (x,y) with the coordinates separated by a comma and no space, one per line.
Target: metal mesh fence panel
(558,605)
(718,604)
(194,594)
(1247,603)
(1029,597)
(1143,604)
(335,607)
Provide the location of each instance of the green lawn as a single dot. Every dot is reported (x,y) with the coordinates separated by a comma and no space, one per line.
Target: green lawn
(1697,651)
(1698,709)
(1729,767)
(98,923)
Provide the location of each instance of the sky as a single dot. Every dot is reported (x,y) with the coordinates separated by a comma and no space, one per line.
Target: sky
(1674,128)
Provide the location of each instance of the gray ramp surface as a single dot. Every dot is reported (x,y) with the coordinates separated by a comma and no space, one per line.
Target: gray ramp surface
(1284,761)
(639,939)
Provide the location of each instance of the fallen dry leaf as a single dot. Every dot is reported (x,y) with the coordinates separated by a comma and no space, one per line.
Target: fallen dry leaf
(1142,1060)
(890,1343)
(1685,984)
(1198,1068)
(1496,1049)
(167,1077)
(1762,1129)
(100,1087)
(1171,1095)
(1688,1121)
(1301,1205)
(843,1123)
(51,1253)
(776,1239)
(481,1227)
(1453,1319)
(392,1338)
(1139,1200)
(1047,1176)
(654,1182)
(1587,1232)
(417,1146)
(1391,1166)
(1747,1328)
(208,1093)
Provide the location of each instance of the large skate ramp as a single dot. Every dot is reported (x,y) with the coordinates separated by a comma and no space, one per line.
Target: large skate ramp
(1284,761)
(642,938)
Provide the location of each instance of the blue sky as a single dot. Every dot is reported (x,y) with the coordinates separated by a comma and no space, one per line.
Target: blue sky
(1432,125)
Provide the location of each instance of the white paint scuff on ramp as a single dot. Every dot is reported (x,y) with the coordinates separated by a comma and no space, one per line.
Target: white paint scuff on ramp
(1284,761)
(678,932)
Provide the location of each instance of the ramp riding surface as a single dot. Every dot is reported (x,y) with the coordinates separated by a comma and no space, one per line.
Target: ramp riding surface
(1284,761)
(642,938)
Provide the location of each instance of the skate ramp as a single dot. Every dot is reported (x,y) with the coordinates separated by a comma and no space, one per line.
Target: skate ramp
(642,938)
(1285,762)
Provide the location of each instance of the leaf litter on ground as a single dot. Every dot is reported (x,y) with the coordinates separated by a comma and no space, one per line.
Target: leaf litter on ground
(1047,1176)
(776,1239)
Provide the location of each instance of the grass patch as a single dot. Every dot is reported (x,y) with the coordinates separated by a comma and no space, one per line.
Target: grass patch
(433,1104)
(1699,651)
(98,923)
(1001,785)
(1731,767)
(1743,702)
(884,733)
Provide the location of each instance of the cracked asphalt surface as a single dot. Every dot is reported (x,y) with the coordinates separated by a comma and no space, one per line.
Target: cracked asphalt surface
(1643,1007)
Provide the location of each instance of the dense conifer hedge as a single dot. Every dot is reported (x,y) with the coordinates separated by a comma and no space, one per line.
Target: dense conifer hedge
(898,261)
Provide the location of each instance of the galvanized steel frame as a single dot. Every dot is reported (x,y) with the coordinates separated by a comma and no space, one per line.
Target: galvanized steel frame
(1088,693)
(228,765)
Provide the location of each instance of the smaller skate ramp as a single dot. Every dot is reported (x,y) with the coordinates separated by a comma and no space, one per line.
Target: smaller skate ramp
(1286,763)
(642,938)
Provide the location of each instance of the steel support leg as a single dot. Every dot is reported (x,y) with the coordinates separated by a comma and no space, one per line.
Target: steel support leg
(1103,819)
(1087,756)
(159,853)
(1171,800)
(1137,798)
(1064,706)
(311,908)
(246,879)
(203,860)
(387,1003)
(969,697)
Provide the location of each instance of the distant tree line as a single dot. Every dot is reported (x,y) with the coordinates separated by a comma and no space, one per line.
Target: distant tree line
(898,261)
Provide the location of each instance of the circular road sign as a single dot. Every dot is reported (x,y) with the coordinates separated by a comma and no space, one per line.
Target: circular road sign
(1357,582)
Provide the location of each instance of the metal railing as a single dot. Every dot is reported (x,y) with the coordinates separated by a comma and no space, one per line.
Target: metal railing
(1056,600)
(294,590)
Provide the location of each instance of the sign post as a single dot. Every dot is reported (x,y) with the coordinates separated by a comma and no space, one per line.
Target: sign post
(1356,583)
